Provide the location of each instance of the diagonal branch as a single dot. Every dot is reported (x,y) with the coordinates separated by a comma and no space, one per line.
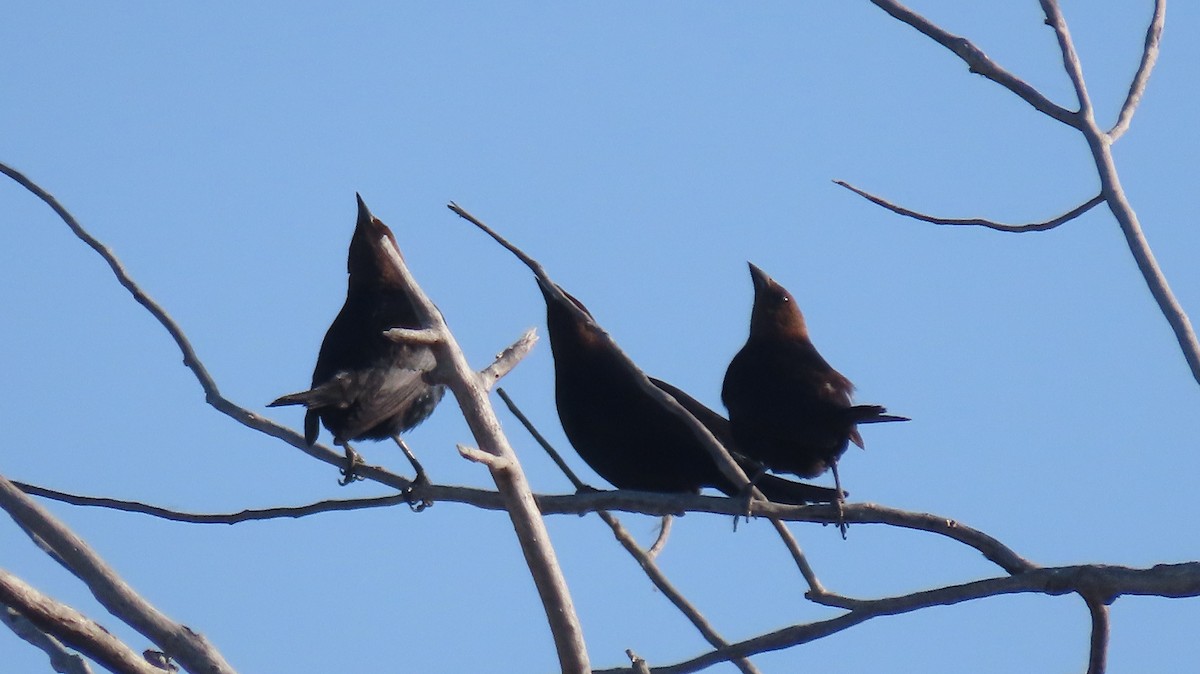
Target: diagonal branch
(1071,63)
(644,559)
(61,659)
(530,528)
(63,624)
(979,63)
(978,222)
(1103,583)
(1138,86)
(190,648)
(1110,183)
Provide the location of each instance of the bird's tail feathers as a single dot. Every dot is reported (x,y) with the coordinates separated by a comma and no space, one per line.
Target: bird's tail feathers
(321,396)
(873,414)
(781,490)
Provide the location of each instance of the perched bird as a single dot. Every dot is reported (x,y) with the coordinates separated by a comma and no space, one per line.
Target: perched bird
(627,436)
(366,386)
(787,407)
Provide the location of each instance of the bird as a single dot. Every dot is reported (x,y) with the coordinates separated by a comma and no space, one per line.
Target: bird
(624,433)
(788,408)
(366,386)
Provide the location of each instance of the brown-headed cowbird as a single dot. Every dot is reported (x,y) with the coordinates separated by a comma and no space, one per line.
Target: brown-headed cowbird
(366,386)
(627,436)
(787,407)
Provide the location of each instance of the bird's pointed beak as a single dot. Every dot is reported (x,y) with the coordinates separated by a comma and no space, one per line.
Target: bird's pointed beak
(758,277)
(364,213)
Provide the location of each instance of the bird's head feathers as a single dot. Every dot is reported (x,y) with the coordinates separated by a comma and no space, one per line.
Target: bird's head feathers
(368,262)
(775,311)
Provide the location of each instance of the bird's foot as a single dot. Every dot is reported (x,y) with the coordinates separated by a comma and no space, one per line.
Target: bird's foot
(417,505)
(349,472)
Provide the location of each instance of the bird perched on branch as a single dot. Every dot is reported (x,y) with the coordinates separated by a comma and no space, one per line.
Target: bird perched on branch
(366,386)
(627,436)
(787,407)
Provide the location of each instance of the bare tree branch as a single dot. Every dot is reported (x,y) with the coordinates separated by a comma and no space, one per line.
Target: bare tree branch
(191,649)
(62,660)
(71,627)
(1138,86)
(978,222)
(465,383)
(644,559)
(1110,183)
(644,503)
(979,63)
(503,364)
(1104,583)
(1099,143)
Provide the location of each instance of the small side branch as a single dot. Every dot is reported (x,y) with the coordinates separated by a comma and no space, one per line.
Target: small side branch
(979,63)
(977,222)
(1138,86)
(1098,646)
(507,359)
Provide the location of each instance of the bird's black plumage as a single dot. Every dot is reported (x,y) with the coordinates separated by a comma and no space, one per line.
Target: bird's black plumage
(366,386)
(627,436)
(788,408)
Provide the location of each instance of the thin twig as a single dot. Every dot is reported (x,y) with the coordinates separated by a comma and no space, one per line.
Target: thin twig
(1138,86)
(190,648)
(979,63)
(815,589)
(249,515)
(61,660)
(542,441)
(643,558)
(977,222)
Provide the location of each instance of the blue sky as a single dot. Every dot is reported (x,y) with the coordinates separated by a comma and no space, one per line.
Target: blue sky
(643,153)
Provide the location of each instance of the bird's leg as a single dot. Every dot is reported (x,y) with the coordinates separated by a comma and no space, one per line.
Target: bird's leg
(420,479)
(746,495)
(837,485)
(353,461)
